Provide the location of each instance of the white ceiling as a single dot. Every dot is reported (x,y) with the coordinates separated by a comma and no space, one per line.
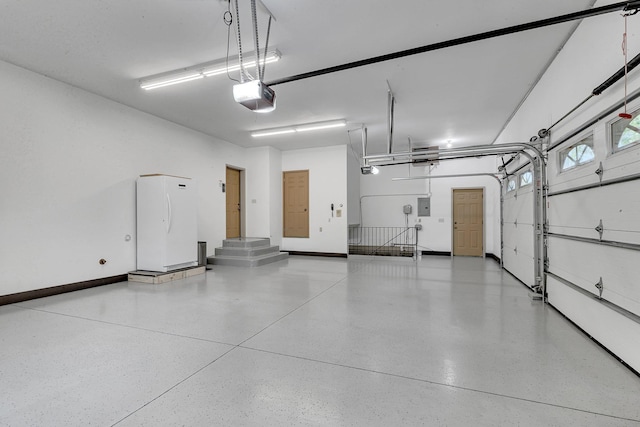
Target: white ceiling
(464,93)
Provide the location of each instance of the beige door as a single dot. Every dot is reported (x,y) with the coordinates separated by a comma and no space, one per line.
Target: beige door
(295,191)
(468,211)
(233,203)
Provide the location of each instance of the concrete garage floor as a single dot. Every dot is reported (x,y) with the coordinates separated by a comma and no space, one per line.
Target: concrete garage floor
(309,341)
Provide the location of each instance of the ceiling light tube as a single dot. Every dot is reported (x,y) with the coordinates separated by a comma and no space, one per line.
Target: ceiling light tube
(214,70)
(169,80)
(320,126)
(207,69)
(258,134)
(299,128)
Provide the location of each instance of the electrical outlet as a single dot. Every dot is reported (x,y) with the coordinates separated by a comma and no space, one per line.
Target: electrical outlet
(321,229)
(338,213)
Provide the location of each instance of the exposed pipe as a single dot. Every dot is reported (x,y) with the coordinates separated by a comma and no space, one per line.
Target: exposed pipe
(266,9)
(468,151)
(391,100)
(502,226)
(364,145)
(460,175)
(626,6)
(266,49)
(411,162)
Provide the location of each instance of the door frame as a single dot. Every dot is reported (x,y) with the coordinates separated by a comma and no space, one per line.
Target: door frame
(243,204)
(484,217)
(308,209)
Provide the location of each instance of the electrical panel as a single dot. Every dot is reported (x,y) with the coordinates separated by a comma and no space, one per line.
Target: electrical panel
(424,206)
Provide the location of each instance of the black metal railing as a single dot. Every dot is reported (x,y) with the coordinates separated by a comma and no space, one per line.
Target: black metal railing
(383,241)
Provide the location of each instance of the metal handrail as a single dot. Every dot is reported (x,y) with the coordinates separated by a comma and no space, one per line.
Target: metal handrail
(383,241)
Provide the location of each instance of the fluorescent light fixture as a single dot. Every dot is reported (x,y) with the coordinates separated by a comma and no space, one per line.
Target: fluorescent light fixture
(206,69)
(258,134)
(299,128)
(320,126)
(215,70)
(170,80)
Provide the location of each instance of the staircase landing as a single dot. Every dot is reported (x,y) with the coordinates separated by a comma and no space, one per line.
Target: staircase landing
(247,252)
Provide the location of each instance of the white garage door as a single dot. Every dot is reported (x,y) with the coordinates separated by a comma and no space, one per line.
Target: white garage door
(518,229)
(594,236)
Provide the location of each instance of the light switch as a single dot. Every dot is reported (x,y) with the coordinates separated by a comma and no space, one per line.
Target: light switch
(338,213)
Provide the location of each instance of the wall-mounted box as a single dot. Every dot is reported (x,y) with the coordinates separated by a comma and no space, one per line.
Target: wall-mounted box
(424,206)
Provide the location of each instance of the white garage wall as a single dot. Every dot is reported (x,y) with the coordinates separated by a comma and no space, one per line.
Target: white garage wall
(275,194)
(327,184)
(263,194)
(382,200)
(353,187)
(68,168)
(589,58)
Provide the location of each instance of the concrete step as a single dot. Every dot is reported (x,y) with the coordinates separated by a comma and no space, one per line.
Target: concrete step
(254,261)
(246,252)
(156,277)
(246,242)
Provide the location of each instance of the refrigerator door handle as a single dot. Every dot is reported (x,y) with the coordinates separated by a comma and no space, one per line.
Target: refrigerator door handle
(169,213)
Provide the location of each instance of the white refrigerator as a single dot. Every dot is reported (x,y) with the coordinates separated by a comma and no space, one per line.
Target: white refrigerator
(167,223)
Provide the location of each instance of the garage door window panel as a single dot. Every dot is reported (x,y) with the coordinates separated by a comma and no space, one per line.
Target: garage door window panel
(625,133)
(526,178)
(578,154)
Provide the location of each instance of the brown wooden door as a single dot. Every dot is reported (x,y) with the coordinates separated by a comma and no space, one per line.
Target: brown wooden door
(468,212)
(233,203)
(296,203)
